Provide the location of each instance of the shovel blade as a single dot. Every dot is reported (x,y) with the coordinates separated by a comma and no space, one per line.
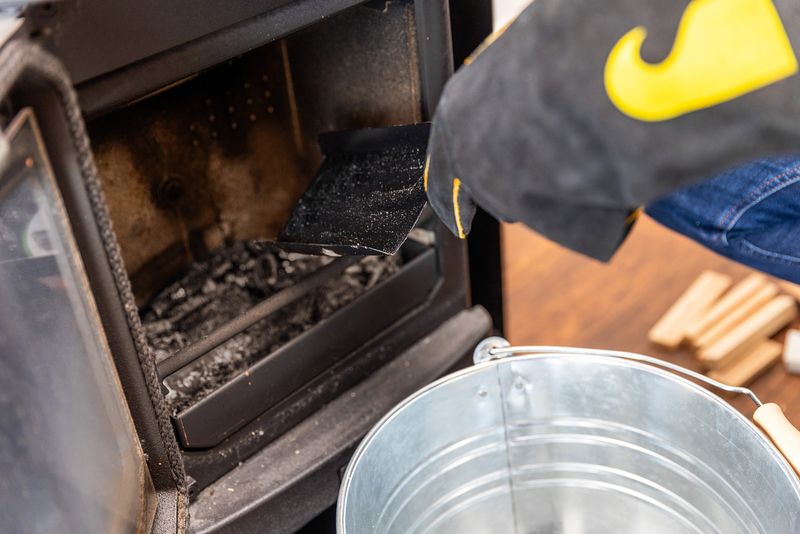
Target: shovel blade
(366,197)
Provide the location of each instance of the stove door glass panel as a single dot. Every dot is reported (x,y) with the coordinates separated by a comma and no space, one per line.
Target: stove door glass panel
(69,456)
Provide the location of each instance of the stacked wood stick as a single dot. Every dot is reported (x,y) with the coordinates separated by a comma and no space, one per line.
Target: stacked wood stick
(728,326)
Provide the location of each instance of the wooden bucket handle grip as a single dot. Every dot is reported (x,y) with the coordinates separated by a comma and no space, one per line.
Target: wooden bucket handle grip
(783,434)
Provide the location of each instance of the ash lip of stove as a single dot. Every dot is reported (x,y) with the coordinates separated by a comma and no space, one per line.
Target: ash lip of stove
(272,378)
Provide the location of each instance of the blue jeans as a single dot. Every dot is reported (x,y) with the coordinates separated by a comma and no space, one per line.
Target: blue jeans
(750,214)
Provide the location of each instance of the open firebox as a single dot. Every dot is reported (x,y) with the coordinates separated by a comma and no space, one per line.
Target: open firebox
(155,163)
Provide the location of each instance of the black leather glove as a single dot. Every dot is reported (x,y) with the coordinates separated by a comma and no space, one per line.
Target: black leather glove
(578,114)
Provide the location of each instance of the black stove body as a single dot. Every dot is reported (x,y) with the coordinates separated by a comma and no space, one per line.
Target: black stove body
(175,134)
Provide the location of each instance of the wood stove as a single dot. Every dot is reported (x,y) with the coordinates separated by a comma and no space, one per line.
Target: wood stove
(180,138)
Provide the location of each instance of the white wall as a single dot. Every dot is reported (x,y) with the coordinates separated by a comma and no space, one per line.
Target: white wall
(505,10)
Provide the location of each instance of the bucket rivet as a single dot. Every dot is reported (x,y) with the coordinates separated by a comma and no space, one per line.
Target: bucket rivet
(482,393)
(482,352)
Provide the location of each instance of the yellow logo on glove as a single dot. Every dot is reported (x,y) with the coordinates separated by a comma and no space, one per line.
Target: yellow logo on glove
(724,49)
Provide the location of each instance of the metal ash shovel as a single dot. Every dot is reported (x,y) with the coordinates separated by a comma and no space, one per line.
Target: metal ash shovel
(366,197)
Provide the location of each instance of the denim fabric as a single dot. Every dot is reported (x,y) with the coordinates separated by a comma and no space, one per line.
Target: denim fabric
(750,214)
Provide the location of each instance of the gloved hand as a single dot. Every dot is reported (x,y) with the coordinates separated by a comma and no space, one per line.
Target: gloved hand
(577,114)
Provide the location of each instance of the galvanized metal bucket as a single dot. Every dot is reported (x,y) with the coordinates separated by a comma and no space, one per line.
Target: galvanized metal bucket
(569,441)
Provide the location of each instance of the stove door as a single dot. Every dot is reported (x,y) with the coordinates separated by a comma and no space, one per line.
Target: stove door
(69,453)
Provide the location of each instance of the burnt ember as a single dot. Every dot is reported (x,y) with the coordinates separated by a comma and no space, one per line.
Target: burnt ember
(219,289)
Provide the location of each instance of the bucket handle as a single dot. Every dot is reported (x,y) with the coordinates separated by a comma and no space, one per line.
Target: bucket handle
(769,417)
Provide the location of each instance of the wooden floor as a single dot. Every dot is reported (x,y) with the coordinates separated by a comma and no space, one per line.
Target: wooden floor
(556,297)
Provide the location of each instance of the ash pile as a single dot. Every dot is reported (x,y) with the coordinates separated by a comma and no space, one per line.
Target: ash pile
(224,286)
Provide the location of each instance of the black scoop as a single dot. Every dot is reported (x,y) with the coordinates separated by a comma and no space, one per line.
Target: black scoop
(366,197)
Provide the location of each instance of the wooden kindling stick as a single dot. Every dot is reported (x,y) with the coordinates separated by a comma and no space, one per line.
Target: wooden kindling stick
(763,323)
(750,365)
(731,302)
(737,315)
(671,329)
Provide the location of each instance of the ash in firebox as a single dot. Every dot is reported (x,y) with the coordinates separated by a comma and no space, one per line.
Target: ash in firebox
(216,290)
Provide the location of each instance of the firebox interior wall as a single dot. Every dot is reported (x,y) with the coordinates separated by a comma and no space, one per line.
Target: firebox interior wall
(225,155)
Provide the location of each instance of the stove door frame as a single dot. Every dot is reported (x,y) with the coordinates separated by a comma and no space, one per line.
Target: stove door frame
(32,78)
